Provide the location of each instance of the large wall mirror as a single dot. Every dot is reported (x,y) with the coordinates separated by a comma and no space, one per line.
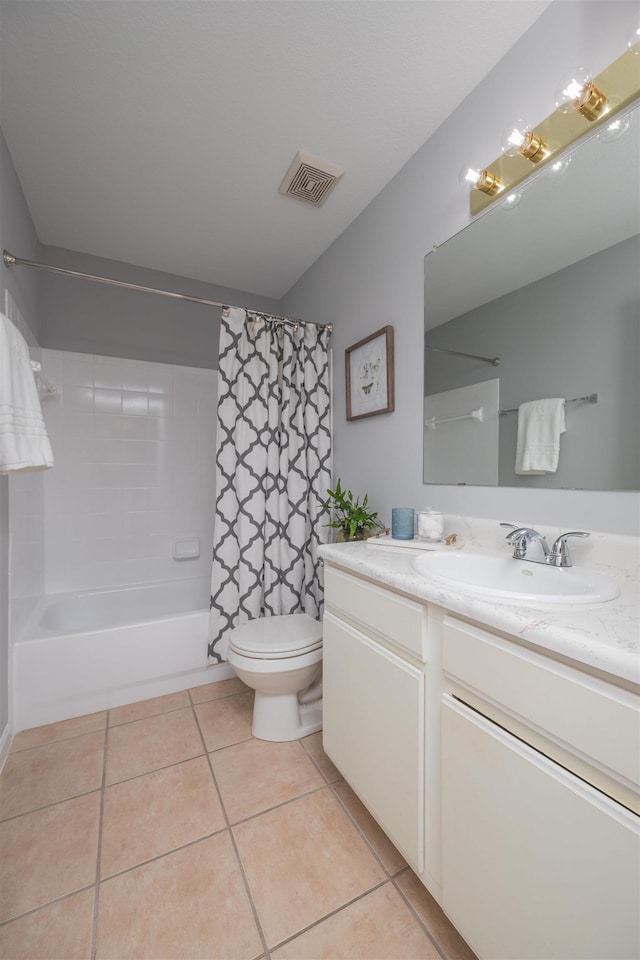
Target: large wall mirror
(551,287)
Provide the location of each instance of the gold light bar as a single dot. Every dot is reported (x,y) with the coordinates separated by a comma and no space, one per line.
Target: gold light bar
(619,83)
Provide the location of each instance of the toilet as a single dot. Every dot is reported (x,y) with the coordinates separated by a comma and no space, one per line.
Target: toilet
(280,657)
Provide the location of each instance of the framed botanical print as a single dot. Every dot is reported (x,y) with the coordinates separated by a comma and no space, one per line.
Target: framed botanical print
(369,375)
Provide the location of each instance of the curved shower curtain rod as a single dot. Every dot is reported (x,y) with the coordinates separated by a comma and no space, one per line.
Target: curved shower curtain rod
(10,260)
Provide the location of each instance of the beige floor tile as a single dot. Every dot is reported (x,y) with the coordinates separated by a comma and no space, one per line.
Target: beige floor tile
(59,731)
(190,904)
(55,771)
(255,775)
(378,925)
(148,708)
(443,932)
(146,745)
(48,854)
(313,746)
(392,859)
(227,721)
(59,931)
(158,812)
(215,691)
(303,860)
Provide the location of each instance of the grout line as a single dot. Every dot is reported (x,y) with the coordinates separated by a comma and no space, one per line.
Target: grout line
(54,803)
(145,773)
(265,948)
(360,829)
(161,856)
(419,918)
(332,913)
(149,716)
(277,806)
(50,743)
(47,903)
(96,899)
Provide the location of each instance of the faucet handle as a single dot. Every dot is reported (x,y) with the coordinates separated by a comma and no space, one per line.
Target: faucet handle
(512,526)
(559,556)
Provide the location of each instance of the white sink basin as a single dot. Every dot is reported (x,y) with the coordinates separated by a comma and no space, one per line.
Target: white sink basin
(503,578)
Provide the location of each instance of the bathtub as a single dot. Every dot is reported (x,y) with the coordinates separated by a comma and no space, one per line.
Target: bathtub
(88,651)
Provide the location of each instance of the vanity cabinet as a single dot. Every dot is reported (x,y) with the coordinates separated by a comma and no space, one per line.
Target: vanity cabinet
(540,852)
(509,780)
(374,648)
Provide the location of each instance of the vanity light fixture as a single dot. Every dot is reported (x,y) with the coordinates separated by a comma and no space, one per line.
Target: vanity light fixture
(578,92)
(482,180)
(580,96)
(521,139)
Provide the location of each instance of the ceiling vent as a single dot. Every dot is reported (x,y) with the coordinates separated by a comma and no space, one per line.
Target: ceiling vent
(310,179)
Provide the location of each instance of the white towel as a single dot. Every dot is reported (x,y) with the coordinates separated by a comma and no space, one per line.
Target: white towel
(540,426)
(24,444)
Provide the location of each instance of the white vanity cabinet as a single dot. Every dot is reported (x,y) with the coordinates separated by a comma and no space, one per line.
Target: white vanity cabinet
(508,779)
(374,651)
(540,854)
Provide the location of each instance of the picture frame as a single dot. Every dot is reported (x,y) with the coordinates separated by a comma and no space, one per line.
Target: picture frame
(369,375)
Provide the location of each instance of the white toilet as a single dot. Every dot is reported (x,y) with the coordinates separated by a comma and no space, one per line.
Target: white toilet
(281,658)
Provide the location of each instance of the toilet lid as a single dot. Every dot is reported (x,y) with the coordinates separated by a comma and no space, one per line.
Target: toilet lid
(277,637)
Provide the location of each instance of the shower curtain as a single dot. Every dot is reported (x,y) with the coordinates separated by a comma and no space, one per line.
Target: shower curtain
(272,472)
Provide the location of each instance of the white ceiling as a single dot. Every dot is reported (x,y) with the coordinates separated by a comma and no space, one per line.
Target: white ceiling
(157,132)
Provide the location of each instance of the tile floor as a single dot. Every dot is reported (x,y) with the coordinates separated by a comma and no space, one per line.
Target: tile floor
(164,830)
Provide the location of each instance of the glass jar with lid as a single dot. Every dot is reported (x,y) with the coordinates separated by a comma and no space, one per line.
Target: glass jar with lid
(430,525)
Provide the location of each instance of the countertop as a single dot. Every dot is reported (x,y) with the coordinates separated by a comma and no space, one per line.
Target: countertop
(603,637)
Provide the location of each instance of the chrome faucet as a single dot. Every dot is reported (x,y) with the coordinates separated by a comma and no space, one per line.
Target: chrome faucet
(530,545)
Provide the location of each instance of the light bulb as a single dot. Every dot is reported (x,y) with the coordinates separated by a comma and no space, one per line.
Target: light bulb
(511,201)
(559,166)
(616,129)
(576,91)
(519,139)
(482,180)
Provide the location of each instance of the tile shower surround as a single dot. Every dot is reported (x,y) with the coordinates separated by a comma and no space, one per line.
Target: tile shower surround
(134,447)
(163,829)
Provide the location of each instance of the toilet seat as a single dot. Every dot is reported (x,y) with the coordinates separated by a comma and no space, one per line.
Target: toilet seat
(277,637)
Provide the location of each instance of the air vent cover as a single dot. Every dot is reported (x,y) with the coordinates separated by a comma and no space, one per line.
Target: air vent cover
(310,179)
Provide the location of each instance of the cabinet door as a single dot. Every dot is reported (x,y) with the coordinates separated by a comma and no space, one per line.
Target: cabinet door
(536,863)
(373,730)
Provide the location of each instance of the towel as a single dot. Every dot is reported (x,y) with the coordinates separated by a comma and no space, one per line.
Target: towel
(540,426)
(24,444)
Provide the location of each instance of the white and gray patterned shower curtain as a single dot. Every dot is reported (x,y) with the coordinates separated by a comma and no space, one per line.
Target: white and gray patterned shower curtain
(272,472)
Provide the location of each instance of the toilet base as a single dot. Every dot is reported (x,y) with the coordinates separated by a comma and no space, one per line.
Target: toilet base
(280,718)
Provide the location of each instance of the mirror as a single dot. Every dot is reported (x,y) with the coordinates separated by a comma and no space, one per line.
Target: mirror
(551,287)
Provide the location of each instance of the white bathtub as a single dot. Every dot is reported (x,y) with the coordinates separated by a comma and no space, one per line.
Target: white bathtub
(89,651)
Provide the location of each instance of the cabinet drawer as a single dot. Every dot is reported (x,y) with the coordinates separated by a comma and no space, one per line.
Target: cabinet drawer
(401,621)
(585,713)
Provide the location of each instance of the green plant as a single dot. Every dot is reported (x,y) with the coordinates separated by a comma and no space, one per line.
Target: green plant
(351,516)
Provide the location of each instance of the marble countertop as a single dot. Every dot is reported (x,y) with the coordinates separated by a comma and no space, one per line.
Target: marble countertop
(603,637)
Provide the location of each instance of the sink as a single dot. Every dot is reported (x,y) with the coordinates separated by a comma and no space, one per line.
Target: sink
(503,578)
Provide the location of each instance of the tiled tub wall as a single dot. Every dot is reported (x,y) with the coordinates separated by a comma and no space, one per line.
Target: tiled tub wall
(134,444)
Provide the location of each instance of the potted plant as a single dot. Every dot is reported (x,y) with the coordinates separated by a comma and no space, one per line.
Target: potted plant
(350,517)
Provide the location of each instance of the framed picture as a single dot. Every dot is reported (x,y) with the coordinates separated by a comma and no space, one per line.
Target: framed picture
(369,375)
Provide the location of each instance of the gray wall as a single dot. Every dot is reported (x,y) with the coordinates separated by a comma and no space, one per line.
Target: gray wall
(373,275)
(592,349)
(111,321)
(16,232)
